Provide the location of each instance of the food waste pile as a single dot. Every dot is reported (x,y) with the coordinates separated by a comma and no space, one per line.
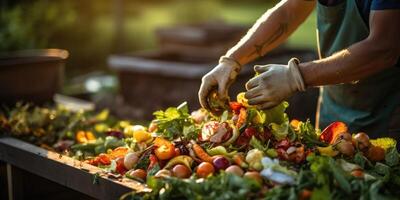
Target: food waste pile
(240,153)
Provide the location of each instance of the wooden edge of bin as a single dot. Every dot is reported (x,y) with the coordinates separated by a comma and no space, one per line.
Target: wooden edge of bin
(65,170)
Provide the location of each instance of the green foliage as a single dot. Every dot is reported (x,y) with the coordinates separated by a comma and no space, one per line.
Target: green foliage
(175,122)
(222,186)
(34,25)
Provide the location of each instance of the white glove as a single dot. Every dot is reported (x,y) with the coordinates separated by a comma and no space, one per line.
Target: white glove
(220,78)
(274,84)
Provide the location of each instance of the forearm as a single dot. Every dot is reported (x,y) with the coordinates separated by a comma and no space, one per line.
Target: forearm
(273,28)
(357,62)
(378,51)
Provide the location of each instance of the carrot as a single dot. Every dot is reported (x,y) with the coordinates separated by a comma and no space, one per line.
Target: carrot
(239,160)
(199,151)
(242,118)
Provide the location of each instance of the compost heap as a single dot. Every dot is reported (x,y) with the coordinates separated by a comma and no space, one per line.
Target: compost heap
(240,153)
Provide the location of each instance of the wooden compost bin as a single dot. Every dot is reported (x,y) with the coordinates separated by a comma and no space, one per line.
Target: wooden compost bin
(200,40)
(31,75)
(30,172)
(156,80)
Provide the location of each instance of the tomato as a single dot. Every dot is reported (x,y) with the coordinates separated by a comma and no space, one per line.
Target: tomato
(138,173)
(205,169)
(165,152)
(120,168)
(235,106)
(181,171)
(104,159)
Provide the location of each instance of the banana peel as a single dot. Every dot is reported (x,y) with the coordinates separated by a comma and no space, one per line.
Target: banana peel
(182,159)
(328,151)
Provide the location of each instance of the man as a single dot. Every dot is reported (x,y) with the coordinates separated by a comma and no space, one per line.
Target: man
(359,49)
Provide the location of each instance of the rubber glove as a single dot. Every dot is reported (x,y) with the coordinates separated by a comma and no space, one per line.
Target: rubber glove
(274,84)
(220,78)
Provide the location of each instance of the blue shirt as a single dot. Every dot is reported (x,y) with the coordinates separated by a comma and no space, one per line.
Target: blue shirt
(365,6)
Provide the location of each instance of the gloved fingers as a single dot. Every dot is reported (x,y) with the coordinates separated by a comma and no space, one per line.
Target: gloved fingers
(252,83)
(253,93)
(261,68)
(204,91)
(257,100)
(223,87)
(267,105)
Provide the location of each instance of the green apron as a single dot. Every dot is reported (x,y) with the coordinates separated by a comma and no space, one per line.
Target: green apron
(369,104)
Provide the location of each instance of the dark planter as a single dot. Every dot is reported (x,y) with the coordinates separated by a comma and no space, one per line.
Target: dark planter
(31,75)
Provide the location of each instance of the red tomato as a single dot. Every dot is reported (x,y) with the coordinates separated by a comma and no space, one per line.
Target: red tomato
(120,166)
(205,169)
(104,159)
(235,106)
(164,149)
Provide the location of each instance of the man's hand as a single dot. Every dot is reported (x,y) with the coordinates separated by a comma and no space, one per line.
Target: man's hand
(220,78)
(274,84)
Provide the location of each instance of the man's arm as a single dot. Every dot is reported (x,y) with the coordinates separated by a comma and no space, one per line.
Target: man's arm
(273,28)
(379,51)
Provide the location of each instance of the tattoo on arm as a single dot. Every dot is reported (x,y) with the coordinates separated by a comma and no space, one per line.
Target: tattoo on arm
(282,29)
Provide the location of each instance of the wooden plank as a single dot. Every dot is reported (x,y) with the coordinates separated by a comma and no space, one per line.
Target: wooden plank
(64,170)
(3,181)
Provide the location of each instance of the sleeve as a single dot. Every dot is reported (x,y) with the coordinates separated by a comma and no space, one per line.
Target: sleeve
(385,4)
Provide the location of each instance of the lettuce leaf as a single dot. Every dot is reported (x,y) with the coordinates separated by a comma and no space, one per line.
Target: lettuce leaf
(276,114)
